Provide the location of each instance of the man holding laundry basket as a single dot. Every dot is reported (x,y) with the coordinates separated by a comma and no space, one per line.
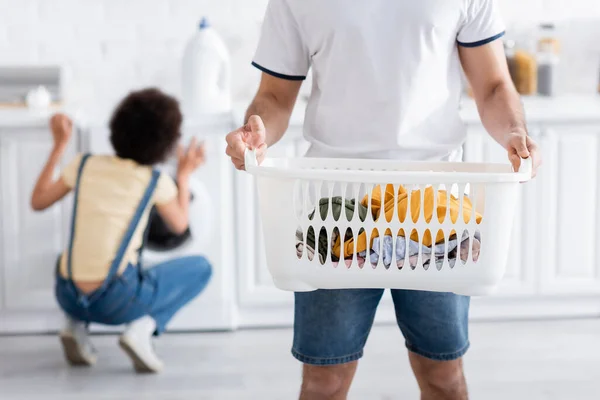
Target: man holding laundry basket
(386,85)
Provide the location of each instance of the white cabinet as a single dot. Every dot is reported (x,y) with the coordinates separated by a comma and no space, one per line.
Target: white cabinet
(555,235)
(553,268)
(212,236)
(519,278)
(30,242)
(568,207)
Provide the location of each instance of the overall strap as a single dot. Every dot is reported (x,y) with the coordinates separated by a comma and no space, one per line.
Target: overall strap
(74,216)
(114,268)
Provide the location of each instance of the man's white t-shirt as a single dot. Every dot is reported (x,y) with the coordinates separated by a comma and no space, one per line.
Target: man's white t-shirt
(386,73)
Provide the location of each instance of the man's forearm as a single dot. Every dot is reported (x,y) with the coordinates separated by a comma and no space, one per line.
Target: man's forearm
(275,116)
(502,114)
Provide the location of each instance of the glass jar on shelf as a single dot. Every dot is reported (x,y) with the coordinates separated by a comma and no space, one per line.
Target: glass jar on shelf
(525,66)
(547,61)
(548,38)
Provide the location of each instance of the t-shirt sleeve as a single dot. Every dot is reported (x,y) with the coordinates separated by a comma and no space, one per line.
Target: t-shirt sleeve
(69,172)
(166,190)
(482,24)
(281,50)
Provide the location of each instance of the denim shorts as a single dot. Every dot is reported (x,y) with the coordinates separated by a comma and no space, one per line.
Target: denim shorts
(332,326)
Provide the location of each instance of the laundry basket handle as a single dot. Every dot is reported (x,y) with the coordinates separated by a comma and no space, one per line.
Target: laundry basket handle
(250,159)
(526,167)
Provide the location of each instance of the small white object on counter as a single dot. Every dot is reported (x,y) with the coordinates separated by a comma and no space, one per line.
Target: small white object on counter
(206,74)
(38,98)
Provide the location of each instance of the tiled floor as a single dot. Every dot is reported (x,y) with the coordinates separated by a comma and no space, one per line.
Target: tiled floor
(517,361)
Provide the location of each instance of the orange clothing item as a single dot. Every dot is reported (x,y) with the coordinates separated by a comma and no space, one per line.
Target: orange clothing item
(399,209)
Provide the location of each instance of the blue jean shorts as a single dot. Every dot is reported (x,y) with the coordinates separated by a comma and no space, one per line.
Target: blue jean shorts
(331,326)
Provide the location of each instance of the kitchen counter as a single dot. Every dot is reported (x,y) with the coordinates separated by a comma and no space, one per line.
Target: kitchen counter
(558,109)
(26,118)
(19,118)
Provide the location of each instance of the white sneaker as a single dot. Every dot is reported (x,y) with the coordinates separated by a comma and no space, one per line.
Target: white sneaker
(137,343)
(76,343)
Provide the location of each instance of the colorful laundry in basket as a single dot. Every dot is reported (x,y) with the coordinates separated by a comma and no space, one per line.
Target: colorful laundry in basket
(438,251)
(389,206)
(415,205)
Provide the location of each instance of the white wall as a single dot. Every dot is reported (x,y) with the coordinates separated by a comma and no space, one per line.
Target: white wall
(558,10)
(111,46)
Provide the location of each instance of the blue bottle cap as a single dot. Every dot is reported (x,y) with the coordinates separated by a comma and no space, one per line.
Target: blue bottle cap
(204,23)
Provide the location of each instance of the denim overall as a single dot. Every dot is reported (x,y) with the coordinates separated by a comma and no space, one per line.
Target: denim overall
(159,292)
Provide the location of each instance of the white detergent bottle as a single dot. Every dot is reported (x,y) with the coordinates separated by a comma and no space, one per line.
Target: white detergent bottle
(206,84)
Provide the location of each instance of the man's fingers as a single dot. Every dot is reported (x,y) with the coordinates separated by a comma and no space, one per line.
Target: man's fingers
(251,136)
(238,149)
(234,154)
(515,160)
(256,124)
(257,131)
(520,146)
(235,137)
(235,145)
(239,164)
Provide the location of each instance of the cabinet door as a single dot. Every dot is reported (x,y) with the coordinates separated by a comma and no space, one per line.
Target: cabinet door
(213,232)
(519,277)
(256,285)
(31,242)
(568,202)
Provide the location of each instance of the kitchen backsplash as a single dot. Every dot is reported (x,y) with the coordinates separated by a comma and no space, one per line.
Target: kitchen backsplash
(112,46)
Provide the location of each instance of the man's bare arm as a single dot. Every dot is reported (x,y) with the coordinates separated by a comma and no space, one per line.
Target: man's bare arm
(274,103)
(266,120)
(497,100)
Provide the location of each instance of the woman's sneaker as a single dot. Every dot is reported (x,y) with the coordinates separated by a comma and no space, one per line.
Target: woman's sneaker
(76,343)
(137,344)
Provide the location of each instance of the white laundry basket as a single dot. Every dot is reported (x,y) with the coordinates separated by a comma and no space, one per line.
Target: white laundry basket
(290,189)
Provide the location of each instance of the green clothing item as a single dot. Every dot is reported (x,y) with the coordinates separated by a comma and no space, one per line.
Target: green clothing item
(336,208)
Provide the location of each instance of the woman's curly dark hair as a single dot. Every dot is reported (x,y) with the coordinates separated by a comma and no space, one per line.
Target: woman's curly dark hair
(145,127)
